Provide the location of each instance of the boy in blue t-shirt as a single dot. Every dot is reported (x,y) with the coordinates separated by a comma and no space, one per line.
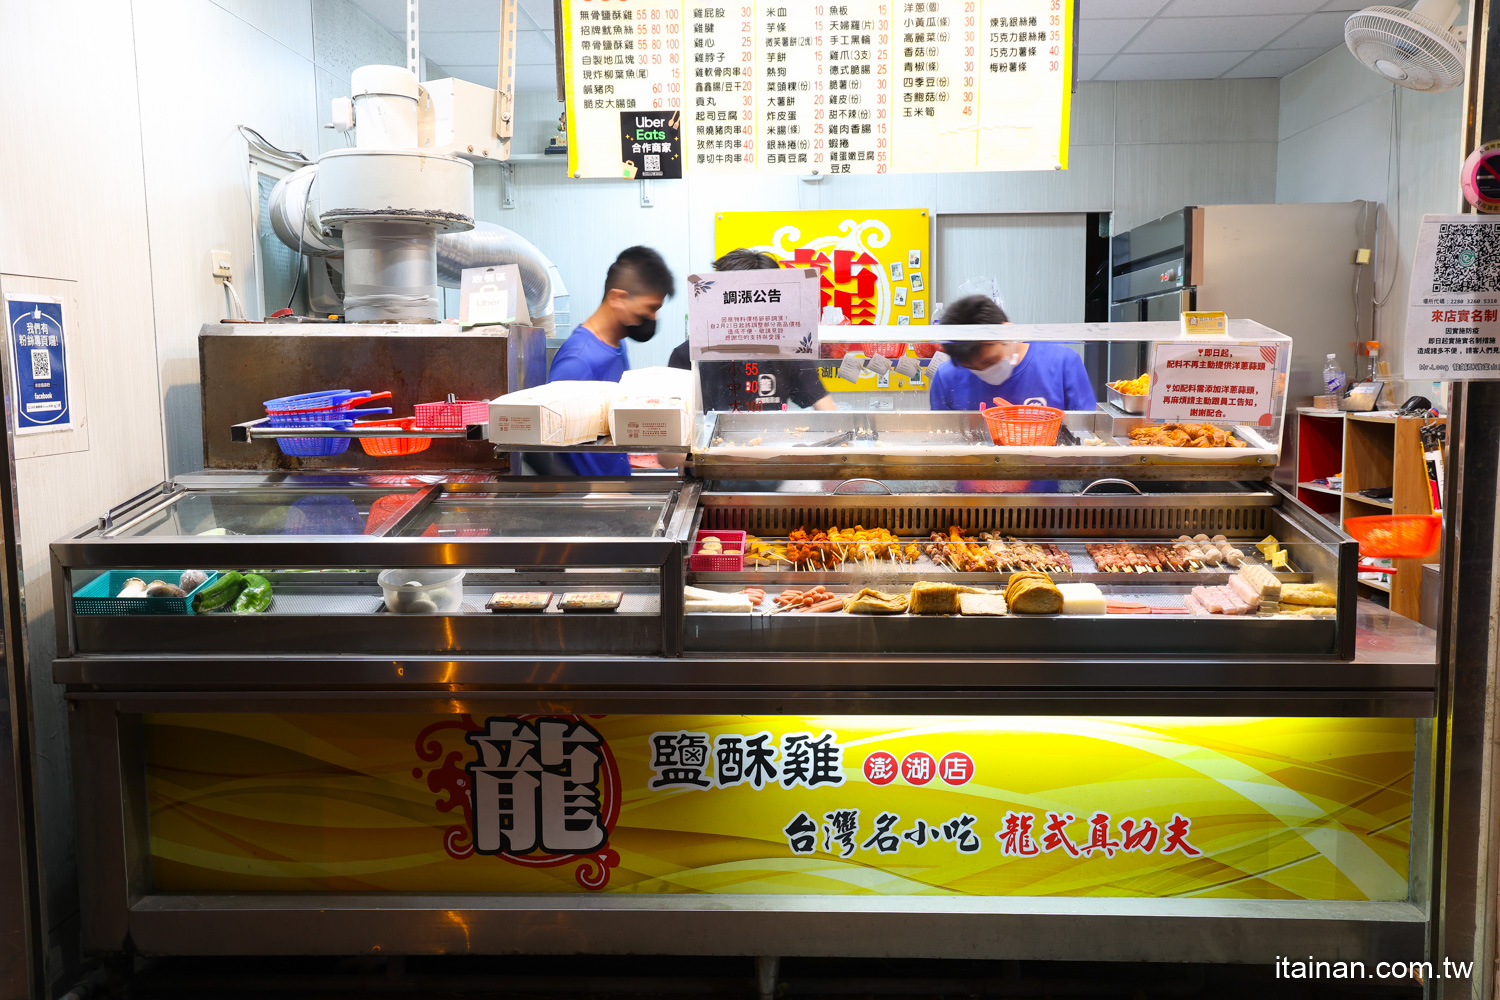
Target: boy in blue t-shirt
(1009,370)
(637,284)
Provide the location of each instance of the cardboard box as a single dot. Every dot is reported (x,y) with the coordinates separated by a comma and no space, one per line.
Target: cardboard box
(557,414)
(650,420)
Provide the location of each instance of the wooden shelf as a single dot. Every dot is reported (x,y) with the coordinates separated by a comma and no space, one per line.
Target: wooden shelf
(1387,504)
(1375,450)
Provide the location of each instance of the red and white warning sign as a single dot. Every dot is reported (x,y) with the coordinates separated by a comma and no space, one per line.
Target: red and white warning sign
(1222,383)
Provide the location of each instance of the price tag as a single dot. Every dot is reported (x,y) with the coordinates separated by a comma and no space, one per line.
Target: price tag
(851,367)
(879,364)
(909,366)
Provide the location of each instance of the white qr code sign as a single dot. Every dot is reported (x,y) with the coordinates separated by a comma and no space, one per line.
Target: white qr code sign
(41,364)
(1453,317)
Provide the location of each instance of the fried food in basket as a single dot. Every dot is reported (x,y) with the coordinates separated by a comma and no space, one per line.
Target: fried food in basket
(1184,436)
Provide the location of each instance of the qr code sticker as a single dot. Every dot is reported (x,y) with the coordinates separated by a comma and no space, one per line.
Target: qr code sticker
(1468,259)
(653,163)
(41,364)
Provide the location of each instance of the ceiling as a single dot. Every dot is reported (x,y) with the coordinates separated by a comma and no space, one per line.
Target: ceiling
(1117,39)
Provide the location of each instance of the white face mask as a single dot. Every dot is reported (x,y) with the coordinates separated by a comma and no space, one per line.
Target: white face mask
(997,373)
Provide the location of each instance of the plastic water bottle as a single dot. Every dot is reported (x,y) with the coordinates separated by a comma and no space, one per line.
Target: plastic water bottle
(1333,376)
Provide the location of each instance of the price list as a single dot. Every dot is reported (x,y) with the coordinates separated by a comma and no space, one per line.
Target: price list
(850,87)
(720,129)
(623,55)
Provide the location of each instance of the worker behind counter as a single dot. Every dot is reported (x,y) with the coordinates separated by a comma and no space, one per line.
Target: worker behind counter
(637,284)
(1001,372)
(742,386)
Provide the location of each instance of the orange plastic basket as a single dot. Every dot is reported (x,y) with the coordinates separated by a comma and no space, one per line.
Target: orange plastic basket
(386,447)
(1409,536)
(1025,426)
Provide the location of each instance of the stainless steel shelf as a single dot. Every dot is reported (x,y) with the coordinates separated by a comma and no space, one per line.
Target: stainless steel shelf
(260,430)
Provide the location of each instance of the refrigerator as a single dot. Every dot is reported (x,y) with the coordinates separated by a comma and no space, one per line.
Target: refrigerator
(1293,268)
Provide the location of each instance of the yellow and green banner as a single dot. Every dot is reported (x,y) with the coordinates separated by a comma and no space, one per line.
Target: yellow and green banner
(782,805)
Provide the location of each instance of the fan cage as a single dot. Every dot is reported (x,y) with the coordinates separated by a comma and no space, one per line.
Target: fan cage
(1431,56)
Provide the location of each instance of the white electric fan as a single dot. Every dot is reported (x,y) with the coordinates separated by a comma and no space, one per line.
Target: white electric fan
(1418,49)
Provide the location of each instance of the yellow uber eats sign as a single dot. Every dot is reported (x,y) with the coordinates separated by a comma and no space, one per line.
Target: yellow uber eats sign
(781,805)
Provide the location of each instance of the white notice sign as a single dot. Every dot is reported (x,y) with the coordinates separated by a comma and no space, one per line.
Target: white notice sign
(1222,383)
(491,295)
(754,314)
(1453,313)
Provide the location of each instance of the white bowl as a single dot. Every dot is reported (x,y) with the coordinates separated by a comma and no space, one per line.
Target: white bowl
(423,591)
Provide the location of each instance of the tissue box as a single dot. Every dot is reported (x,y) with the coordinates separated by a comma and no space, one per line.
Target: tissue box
(650,420)
(558,414)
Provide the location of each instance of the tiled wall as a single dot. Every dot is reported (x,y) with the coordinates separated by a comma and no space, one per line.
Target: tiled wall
(1335,143)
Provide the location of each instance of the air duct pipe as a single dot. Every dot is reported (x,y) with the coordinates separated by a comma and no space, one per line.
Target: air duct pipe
(488,245)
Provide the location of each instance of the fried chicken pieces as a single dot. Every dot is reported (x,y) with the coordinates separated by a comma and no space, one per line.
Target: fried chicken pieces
(1183,436)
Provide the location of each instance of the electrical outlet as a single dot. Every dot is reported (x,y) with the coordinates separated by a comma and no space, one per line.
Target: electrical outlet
(223,264)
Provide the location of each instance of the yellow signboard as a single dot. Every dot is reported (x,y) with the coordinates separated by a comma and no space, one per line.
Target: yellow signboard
(877,269)
(857,87)
(779,805)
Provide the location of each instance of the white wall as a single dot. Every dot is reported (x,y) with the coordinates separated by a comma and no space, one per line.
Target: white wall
(73,208)
(1335,143)
(120,170)
(1140,150)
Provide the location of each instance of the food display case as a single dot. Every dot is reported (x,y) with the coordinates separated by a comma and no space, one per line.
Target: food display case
(930,716)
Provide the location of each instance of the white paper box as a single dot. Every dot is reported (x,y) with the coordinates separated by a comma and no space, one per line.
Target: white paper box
(559,413)
(650,420)
(662,382)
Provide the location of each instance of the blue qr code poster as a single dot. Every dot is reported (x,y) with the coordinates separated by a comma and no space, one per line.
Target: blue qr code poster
(39,367)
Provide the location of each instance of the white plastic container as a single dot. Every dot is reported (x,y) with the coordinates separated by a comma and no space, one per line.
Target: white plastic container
(423,591)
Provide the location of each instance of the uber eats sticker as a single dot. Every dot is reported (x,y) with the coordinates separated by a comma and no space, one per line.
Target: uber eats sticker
(650,144)
(39,363)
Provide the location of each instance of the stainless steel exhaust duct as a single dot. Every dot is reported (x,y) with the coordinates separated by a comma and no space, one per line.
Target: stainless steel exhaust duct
(488,244)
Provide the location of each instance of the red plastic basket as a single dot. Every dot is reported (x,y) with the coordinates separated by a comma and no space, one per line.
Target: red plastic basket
(700,563)
(1025,426)
(885,350)
(1404,536)
(454,415)
(385,447)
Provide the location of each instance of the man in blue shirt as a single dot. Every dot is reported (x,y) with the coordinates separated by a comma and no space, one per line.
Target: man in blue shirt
(637,284)
(1011,371)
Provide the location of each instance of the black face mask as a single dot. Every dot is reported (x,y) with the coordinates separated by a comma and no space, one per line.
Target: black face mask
(642,331)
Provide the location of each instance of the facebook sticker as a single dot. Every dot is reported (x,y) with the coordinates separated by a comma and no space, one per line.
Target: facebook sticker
(38,363)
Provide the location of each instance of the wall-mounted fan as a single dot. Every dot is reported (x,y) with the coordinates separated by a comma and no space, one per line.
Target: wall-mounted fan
(1418,49)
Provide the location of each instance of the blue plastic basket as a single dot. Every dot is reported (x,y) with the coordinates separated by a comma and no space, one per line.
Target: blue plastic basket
(97,597)
(317,447)
(323,399)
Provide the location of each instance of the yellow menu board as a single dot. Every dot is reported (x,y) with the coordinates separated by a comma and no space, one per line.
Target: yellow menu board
(857,87)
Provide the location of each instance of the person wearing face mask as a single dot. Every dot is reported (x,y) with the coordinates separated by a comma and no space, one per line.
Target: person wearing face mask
(637,284)
(1011,371)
